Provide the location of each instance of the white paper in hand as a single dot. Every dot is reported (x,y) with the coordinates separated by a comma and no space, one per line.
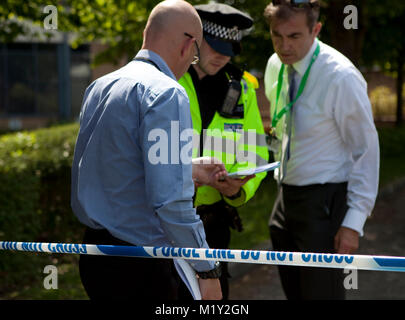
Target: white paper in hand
(188,275)
(248,172)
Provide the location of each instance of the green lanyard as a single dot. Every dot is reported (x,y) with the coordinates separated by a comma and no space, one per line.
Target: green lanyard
(277,116)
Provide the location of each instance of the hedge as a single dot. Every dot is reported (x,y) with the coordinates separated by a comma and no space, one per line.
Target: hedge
(35,196)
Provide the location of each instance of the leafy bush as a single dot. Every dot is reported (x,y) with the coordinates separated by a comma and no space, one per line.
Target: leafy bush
(35,194)
(392,142)
(383,102)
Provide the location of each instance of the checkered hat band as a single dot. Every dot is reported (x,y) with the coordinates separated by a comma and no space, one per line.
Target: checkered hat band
(222,32)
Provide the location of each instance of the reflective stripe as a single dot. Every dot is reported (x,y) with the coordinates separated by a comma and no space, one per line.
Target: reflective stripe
(252,138)
(230,146)
(249,156)
(218,144)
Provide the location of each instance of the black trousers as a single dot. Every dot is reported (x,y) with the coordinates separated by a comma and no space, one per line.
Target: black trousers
(123,278)
(306,219)
(218,219)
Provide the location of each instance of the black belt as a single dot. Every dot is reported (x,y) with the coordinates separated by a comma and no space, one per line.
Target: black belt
(310,187)
(205,208)
(103,236)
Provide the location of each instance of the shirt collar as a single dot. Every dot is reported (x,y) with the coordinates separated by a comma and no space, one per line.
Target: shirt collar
(152,56)
(302,65)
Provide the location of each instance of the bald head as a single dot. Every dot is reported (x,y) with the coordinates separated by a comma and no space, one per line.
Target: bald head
(171,16)
(165,29)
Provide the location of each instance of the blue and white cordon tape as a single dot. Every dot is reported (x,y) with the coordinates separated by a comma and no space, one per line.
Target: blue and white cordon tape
(304,259)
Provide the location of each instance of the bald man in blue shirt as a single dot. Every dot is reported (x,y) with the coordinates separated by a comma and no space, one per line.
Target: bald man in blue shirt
(117,191)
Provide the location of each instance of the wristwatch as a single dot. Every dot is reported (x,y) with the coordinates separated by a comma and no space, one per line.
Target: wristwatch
(212,274)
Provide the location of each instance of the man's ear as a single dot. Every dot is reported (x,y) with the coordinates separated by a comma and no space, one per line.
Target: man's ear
(317,29)
(186,46)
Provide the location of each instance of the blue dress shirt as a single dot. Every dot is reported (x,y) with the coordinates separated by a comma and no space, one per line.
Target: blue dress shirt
(115,185)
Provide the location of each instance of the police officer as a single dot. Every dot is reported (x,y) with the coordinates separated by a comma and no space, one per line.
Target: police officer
(226,121)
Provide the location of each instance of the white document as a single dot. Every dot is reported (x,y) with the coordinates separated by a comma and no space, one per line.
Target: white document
(247,172)
(188,275)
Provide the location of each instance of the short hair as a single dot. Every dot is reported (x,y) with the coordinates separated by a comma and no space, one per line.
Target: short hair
(284,10)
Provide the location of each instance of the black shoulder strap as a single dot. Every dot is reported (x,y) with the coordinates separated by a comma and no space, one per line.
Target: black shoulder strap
(233,71)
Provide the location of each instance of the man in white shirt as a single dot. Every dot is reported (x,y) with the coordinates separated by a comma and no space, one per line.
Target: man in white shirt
(324,134)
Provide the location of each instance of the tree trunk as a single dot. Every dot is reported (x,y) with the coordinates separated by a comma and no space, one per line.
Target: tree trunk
(400,81)
(348,41)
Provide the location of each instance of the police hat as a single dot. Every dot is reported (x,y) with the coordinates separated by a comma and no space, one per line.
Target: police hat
(223,25)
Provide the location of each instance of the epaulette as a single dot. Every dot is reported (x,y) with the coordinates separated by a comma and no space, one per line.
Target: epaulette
(252,79)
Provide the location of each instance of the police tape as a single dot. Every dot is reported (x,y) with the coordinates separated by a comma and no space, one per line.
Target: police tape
(303,259)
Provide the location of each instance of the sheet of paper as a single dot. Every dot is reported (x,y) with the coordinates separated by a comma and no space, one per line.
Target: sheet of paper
(188,275)
(247,172)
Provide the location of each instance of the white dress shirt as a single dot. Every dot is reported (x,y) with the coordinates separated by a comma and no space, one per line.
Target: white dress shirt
(334,138)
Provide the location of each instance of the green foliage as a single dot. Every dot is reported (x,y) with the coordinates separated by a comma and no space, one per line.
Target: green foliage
(119,24)
(35,194)
(392,154)
(255,215)
(256,45)
(392,141)
(31,286)
(15,13)
(384,41)
(383,101)
(116,23)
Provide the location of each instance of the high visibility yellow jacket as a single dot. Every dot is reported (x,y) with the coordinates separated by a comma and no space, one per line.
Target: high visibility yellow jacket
(239,143)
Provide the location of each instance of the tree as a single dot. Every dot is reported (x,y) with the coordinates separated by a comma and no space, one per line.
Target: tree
(116,23)
(384,43)
(256,45)
(346,39)
(13,13)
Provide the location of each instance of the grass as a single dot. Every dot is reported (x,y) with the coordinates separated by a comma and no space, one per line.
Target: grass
(255,215)
(391,169)
(69,286)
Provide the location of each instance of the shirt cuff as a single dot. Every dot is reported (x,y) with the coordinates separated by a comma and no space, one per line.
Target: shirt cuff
(238,201)
(202,265)
(355,220)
